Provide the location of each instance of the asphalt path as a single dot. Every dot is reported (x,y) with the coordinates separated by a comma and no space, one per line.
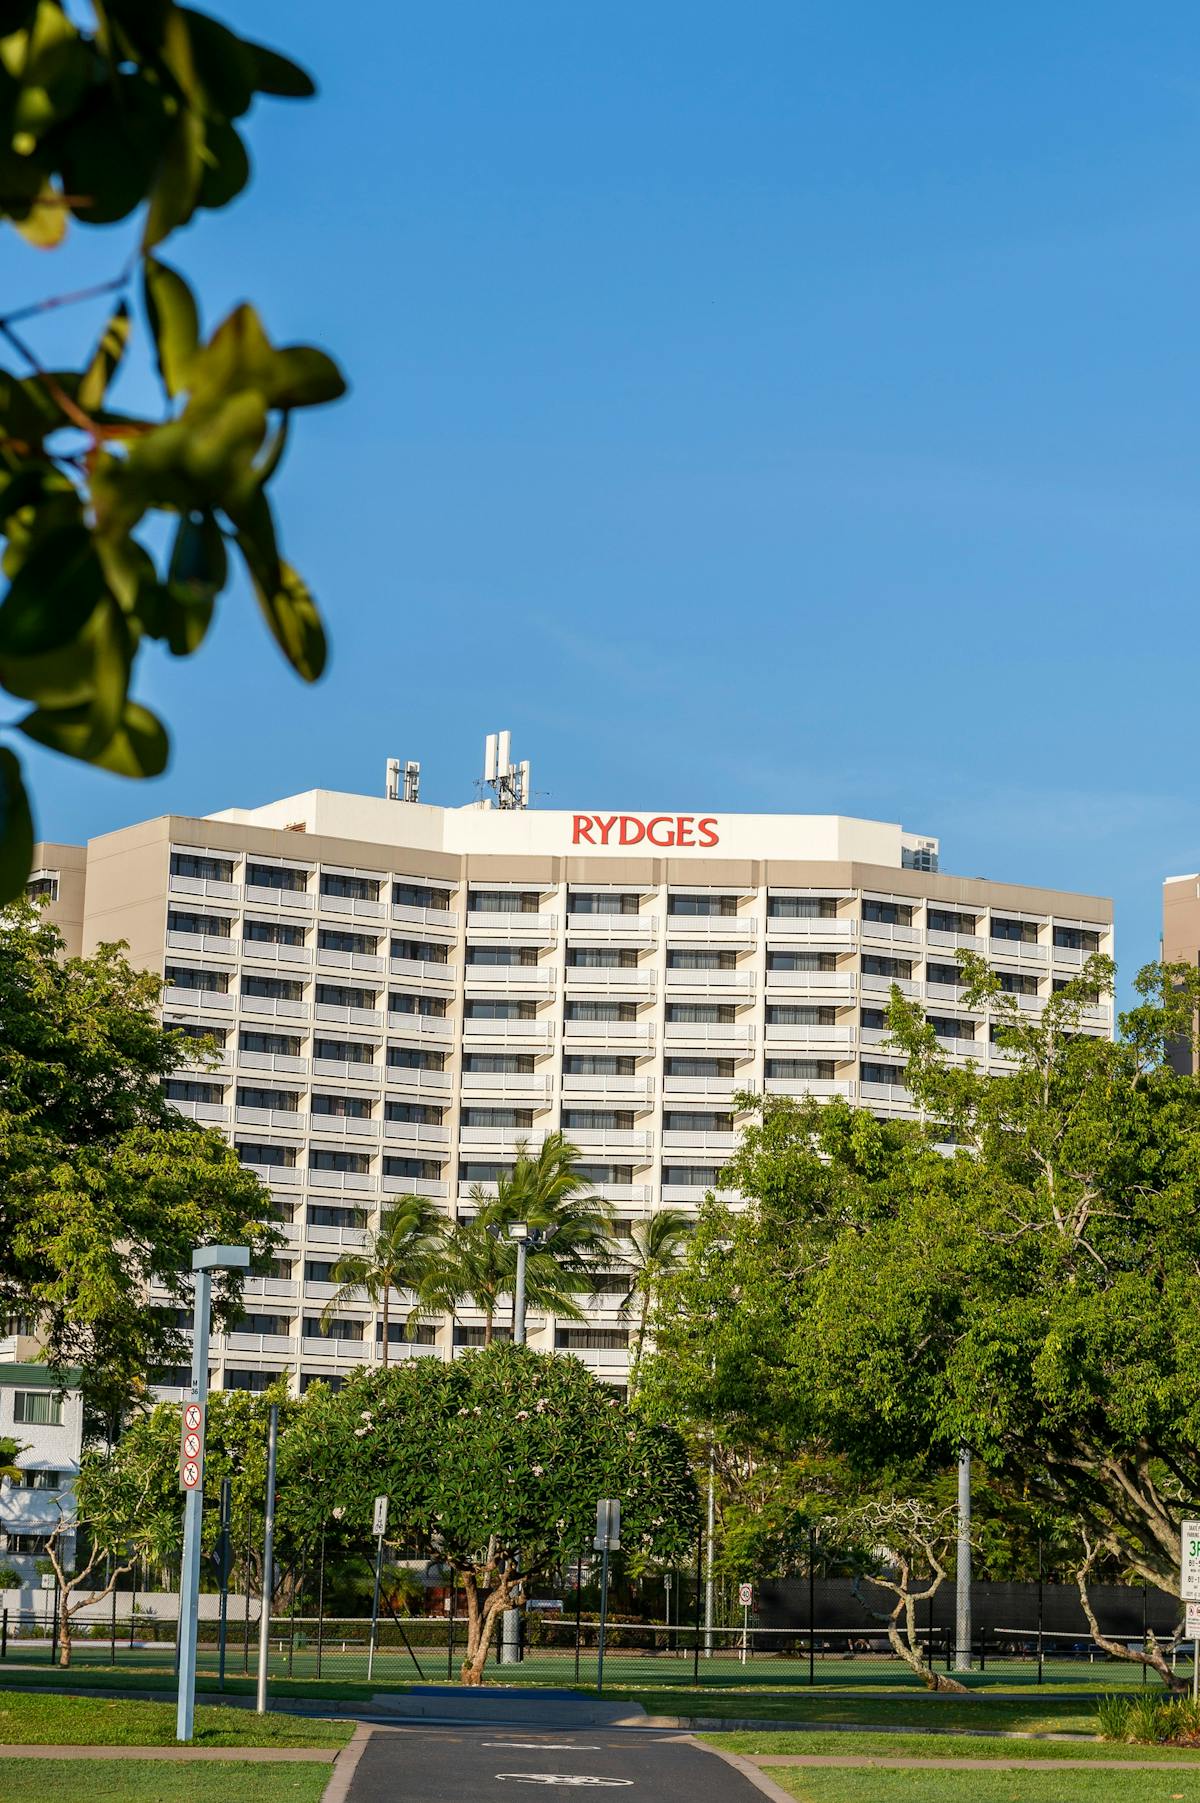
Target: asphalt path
(506,1765)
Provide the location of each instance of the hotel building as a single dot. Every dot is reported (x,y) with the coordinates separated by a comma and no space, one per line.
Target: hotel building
(402,993)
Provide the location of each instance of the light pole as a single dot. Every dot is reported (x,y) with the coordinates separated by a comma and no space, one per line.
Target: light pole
(962,1582)
(519,1231)
(205,1260)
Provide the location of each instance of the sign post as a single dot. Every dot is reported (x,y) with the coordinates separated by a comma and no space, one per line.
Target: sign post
(1189,1591)
(205,1260)
(746,1599)
(379,1529)
(608,1539)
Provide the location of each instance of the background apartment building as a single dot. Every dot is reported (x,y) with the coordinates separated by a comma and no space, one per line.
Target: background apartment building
(402,993)
(1181,941)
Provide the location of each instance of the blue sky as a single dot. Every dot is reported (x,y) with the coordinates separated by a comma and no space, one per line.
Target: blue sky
(777,407)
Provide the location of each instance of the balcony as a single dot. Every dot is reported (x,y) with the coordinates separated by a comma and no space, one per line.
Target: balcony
(535,1031)
(423,970)
(521,1084)
(527,929)
(897,1094)
(424,1135)
(218,1067)
(739,981)
(274,1007)
(208,887)
(187,1001)
(629,1032)
(421,1026)
(881,932)
(967,942)
(370,962)
(351,1126)
(338,1239)
(414,1186)
(613,1140)
(277,1176)
(699,1141)
(277,1289)
(720,1035)
(369,1074)
(207,1114)
(501,1139)
(281,1063)
(681,1195)
(297,900)
(345,1352)
(262,951)
(425,917)
(639,930)
(638,981)
(509,979)
(220,945)
(872,985)
(352,907)
(834,985)
(719,1088)
(277,1344)
(608,1192)
(741,927)
(359,1183)
(608,1085)
(839,931)
(417,1082)
(839,1038)
(1014,951)
(348,1017)
(821,1087)
(289,1119)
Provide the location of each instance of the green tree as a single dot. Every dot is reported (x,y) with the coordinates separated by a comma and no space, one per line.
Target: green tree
(493,1464)
(903,1546)
(402,1253)
(134,108)
(655,1248)
(104,1187)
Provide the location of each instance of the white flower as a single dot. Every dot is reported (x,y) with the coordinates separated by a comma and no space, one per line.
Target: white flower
(543,1402)
(366,1415)
(537,1470)
(359,1432)
(338,1512)
(522,1414)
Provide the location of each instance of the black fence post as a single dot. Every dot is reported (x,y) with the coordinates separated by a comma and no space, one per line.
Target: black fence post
(320,1601)
(812,1592)
(699,1587)
(1040,1645)
(4,1634)
(450,1637)
(578,1609)
(133,1605)
(1145,1633)
(246,1616)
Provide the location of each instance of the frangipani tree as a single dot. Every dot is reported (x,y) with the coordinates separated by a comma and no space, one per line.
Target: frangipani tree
(493,1464)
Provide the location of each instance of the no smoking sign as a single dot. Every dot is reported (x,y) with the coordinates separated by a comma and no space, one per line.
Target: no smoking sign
(191,1446)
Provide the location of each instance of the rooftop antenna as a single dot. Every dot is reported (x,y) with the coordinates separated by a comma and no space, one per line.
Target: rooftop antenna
(410,790)
(508,781)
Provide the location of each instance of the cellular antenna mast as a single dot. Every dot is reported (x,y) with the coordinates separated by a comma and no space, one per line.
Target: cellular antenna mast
(403,782)
(509,782)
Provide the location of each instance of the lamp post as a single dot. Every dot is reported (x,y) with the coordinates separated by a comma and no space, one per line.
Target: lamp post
(205,1260)
(962,1583)
(519,1231)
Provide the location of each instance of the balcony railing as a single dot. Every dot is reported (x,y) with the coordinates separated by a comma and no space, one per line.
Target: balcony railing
(534,979)
(809,1086)
(300,900)
(277,1007)
(828,982)
(586,1084)
(353,1072)
(334,960)
(187,1000)
(424,917)
(209,887)
(839,930)
(264,951)
(280,1062)
(348,1017)
(635,1032)
(514,1083)
(221,945)
(414,1186)
(421,1134)
(209,1114)
(799,1034)
(289,1119)
(352,906)
(699,1141)
(712,926)
(538,1031)
(423,970)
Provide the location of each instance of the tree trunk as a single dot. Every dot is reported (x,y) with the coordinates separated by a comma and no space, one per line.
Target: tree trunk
(64,1633)
(487,1328)
(482,1615)
(1151,1654)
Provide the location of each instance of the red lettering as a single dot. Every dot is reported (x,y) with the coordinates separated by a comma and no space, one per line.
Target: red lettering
(683,830)
(632,830)
(606,826)
(661,820)
(581,833)
(708,833)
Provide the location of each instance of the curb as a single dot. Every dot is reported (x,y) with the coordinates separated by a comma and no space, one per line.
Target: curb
(346,1764)
(750,1772)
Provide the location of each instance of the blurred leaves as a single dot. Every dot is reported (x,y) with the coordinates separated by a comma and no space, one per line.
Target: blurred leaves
(141,113)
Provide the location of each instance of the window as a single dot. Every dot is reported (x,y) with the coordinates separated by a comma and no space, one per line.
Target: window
(692,1176)
(215,982)
(33,1542)
(42,888)
(601,957)
(287,1100)
(501,901)
(709,905)
(800,1070)
(497,1117)
(949,974)
(250,1323)
(408,1058)
(432,1005)
(1091,995)
(801,907)
(891,914)
(40,1480)
(337,1329)
(600,1011)
(318,1215)
(505,955)
(800,1014)
(1077,939)
(605,1173)
(801,960)
(428,1168)
(276,989)
(466,1334)
(874,1018)
(37,1408)
(201,1031)
(338,995)
(200,869)
(1017,983)
(499,1010)
(344,1051)
(349,1108)
(399,1332)
(426,1114)
(334,939)
(283,1268)
(255,1382)
(946,1027)
(418,895)
(591,1339)
(696,1121)
(582,901)
(319,1270)
(190,1089)
(517,1064)
(420,951)
(1023,932)
(597,1120)
(321,1158)
(482,1170)
(886,967)
(948,920)
(252,1152)
(356,888)
(279,1045)
(601,1064)
(275,876)
(882,1073)
(919,857)
(697,1067)
(701,960)
(272,932)
(713,1013)
(332,1380)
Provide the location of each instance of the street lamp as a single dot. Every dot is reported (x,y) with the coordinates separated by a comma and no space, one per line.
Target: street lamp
(205,1260)
(519,1231)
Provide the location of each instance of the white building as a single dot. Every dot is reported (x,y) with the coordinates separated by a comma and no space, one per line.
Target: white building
(401,993)
(47,1425)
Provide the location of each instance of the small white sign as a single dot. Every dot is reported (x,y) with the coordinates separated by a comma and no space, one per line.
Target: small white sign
(1189,1562)
(745,1596)
(48,1580)
(379,1527)
(1192,1624)
(608,1525)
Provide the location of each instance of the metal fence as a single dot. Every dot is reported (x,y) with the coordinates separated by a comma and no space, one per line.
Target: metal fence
(561,1648)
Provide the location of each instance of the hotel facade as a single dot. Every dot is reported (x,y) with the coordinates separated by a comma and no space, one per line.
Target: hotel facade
(400,994)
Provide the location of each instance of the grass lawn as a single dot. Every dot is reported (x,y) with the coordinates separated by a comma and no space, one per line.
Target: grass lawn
(39,1720)
(159,1683)
(985,1787)
(153,1781)
(942,1746)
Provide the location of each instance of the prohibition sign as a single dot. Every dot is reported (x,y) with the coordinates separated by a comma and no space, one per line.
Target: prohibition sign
(190,1475)
(192,1416)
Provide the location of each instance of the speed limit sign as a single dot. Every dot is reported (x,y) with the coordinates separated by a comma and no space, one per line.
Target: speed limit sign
(745,1596)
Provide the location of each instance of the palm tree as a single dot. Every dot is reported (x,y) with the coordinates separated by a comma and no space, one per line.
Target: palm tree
(656,1246)
(398,1256)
